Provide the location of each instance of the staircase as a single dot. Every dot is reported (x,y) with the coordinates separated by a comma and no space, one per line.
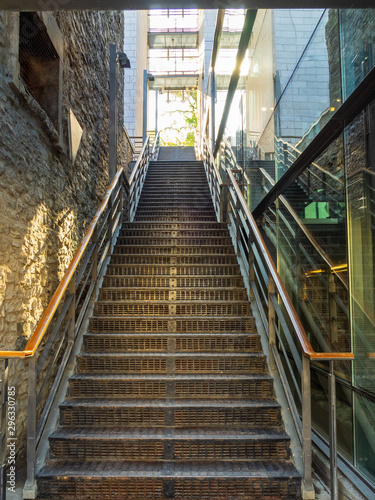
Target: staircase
(171,398)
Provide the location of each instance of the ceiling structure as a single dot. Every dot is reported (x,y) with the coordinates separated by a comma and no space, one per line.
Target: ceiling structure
(53,5)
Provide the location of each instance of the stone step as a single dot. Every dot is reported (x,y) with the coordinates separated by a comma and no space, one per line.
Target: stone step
(167,363)
(181,324)
(120,480)
(178,387)
(184,413)
(142,308)
(150,444)
(164,342)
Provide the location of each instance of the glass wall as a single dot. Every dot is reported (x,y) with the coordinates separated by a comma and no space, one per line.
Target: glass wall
(302,65)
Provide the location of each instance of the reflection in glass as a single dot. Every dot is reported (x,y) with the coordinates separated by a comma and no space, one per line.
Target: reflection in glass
(357,30)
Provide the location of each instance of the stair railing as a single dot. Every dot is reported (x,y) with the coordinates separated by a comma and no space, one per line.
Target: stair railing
(138,175)
(51,349)
(280,320)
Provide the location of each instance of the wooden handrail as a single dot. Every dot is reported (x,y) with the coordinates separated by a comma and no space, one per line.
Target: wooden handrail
(46,319)
(304,342)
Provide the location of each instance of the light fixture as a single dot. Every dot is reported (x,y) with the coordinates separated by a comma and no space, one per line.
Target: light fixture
(123,60)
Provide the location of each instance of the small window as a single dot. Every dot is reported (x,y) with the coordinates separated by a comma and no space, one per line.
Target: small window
(39,64)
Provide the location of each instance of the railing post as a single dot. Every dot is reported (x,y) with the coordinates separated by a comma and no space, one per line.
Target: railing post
(3,453)
(308,492)
(332,310)
(224,199)
(71,314)
(29,490)
(251,260)
(332,431)
(271,321)
(237,222)
(94,271)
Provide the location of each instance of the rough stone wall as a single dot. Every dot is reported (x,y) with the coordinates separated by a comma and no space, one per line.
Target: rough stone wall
(46,203)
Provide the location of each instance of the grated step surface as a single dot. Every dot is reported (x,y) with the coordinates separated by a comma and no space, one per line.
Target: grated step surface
(171,396)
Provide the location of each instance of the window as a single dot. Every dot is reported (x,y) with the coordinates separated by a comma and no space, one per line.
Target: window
(39,64)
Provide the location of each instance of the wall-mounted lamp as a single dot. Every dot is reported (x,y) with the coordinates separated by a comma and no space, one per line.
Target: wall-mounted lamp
(123,60)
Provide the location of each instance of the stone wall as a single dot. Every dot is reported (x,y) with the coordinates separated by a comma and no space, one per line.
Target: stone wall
(46,202)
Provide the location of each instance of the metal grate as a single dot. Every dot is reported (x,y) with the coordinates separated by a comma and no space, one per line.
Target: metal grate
(226,364)
(246,489)
(216,325)
(113,416)
(108,343)
(155,343)
(207,417)
(117,389)
(128,325)
(222,388)
(105,488)
(172,260)
(230,450)
(99,364)
(172,282)
(156,250)
(172,270)
(78,449)
(165,309)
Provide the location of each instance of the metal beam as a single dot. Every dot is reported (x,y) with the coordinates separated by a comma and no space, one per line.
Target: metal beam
(242,48)
(55,5)
(348,111)
(217,36)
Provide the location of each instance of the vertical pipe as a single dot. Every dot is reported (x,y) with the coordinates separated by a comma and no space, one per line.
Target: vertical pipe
(112,168)
(213,104)
(332,431)
(307,485)
(30,485)
(144,135)
(156,112)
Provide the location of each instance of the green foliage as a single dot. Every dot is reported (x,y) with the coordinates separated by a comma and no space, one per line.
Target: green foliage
(184,135)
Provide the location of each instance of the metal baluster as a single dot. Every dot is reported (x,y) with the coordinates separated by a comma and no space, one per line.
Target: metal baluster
(307,485)
(30,485)
(94,271)
(271,321)
(332,431)
(332,310)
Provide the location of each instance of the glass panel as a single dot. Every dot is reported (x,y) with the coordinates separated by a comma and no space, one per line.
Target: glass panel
(365,435)
(312,95)
(357,30)
(360,172)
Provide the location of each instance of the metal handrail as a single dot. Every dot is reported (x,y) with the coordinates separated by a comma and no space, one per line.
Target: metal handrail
(69,308)
(262,272)
(303,340)
(41,328)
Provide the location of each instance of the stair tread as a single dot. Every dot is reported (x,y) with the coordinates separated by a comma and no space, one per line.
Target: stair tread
(169,403)
(170,433)
(177,354)
(171,378)
(229,469)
